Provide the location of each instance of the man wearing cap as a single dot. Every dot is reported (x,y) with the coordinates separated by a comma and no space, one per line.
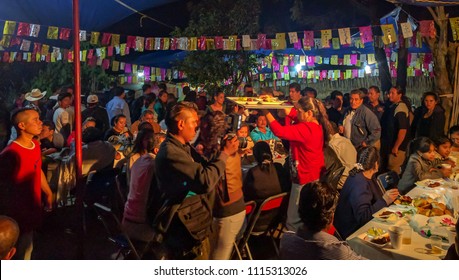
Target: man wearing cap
(97,112)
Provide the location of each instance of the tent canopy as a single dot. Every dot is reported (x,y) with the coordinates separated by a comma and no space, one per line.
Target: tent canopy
(426,2)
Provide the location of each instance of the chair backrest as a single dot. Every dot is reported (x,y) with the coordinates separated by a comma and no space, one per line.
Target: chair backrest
(271,206)
(113,228)
(388,180)
(122,187)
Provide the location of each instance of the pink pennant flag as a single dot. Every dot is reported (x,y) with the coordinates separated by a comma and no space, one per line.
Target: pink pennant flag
(174,43)
(163,74)
(297,45)
(105,64)
(427,28)
(353,59)
(110,51)
(366,34)
(127,68)
(202,43)
(130,42)
(149,43)
(261,41)
(308,40)
(311,61)
(64,33)
(146,73)
(129,79)
(269,44)
(23,29)
(218,42)
(106,39)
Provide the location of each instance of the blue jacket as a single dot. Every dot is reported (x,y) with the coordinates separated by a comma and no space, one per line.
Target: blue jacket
(365,126)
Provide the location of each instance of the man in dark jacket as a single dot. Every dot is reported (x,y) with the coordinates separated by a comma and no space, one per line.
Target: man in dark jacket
(97,112)
(185,180)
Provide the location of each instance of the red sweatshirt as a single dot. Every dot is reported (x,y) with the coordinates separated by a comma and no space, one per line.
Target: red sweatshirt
(306,144)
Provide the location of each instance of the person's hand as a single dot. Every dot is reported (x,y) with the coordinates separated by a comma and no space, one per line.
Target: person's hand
(263,112)
(364,144)
(49,203)
(390,195)
(395,151)
(341,129)
(117,156)
(452,162)
(287,111)
(231,146)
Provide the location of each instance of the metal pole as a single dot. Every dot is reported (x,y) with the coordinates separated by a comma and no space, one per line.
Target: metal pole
(78,140)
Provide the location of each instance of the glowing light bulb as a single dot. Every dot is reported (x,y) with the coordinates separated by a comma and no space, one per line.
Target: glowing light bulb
(298,67)
(367,69)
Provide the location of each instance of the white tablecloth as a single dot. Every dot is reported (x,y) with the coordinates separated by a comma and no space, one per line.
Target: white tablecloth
(419,248)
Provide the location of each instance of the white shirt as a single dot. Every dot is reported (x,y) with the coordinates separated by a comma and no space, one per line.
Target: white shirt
(347,123)
(60,118)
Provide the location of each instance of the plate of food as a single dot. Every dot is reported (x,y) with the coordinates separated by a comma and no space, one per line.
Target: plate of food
(376,236)
(388,215)
(247,100)
(404,201)
(430,208)
(268,100)
(431,183)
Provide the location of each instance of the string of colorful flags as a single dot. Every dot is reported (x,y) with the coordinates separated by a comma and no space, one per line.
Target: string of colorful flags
(12,30)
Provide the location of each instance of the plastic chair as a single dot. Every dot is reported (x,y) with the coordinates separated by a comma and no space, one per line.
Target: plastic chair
(388,180)
(249,211)
(273,206)
(115,233)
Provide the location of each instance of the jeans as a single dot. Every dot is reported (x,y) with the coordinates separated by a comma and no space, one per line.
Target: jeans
(293,217)
(226,230)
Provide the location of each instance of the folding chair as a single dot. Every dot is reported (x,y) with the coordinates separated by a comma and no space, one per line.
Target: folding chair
(122,191)
(388,180)
(115,233)
(272,206)
(249,210)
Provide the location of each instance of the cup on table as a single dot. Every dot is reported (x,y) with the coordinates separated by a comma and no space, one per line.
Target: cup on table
(435,243)
(446,166)
(406,236)
(396,235)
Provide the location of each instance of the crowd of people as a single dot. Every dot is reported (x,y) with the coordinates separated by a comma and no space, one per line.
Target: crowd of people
(183,162)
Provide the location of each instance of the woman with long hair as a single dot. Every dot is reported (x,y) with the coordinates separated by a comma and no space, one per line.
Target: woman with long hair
(307,139)
(430,119)
(421,164)
(361,196)
(229,208)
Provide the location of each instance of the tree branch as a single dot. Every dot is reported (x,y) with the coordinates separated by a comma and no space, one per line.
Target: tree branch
(434,15)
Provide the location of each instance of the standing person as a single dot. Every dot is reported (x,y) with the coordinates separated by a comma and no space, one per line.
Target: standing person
(361,195)
(61,116)
(395,131)
(294,96)
(374,103)
(229,208)
(139,102)
(160,105)
(430,122)
(335,113)
(345,151)
(248,90)
(118,106)
(359,124)
(33,98)
(186,179)
(23,181)
(97,112)
(219,102)
(307,140)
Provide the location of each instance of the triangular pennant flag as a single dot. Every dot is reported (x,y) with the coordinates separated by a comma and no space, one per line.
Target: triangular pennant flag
(106,39)
(9,27)
(366,34)
(345,36)
(23,29)
(94,38)
(115,40)
(83,36)
(407,32)
(389,35)
(64,34)
(454,27)
(53,33)
(293,37)
(34,30)
(326,36)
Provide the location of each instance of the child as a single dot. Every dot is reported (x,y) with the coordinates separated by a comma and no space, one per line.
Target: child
(420,165)
(443,147)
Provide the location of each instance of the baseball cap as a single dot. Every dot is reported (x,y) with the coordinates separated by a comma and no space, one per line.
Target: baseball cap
(92,99)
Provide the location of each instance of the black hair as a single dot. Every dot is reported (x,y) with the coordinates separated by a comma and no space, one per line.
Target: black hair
(15,116)
(172,115)
(116,118)
(317,205)
(430,93)
(263,155)
(63,95)
(138,142)
(212,130)
(367,157)
(420,144)
(453,129)
(145,125)
(359,92)
(335,93)
(309,89)
(91,134)
(145,87)
(364,90)
(296,86)
(49,124)
(118,91)
(268,90)
(320,113)
(376,88)
(442,140)
(191,96)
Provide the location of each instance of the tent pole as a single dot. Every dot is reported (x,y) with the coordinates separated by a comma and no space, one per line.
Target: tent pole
(78,140)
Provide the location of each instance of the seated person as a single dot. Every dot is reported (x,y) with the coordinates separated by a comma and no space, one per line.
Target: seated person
(243,132)
(453,251)
(421,165)
(262,131)
(88,122)
(97,154)
(443,151)
(9,234)
(142,190)
(361,195)
(118,128)
(50,140)
(312,241)
(454,136)
(266,178)
(147,116)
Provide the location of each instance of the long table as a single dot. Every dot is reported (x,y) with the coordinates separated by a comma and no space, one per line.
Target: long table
(419,249)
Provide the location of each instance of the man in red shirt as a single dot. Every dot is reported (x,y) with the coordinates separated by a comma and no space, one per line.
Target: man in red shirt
(22,179)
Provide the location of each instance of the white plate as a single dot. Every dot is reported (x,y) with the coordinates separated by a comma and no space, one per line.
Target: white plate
(425,183)
(271,102)
(390,219)
(366,238)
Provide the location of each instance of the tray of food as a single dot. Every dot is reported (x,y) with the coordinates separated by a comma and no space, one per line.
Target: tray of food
(430,207)
(376,236)
(262,102)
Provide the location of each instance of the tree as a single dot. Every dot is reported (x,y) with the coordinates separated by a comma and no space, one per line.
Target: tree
(220,17)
